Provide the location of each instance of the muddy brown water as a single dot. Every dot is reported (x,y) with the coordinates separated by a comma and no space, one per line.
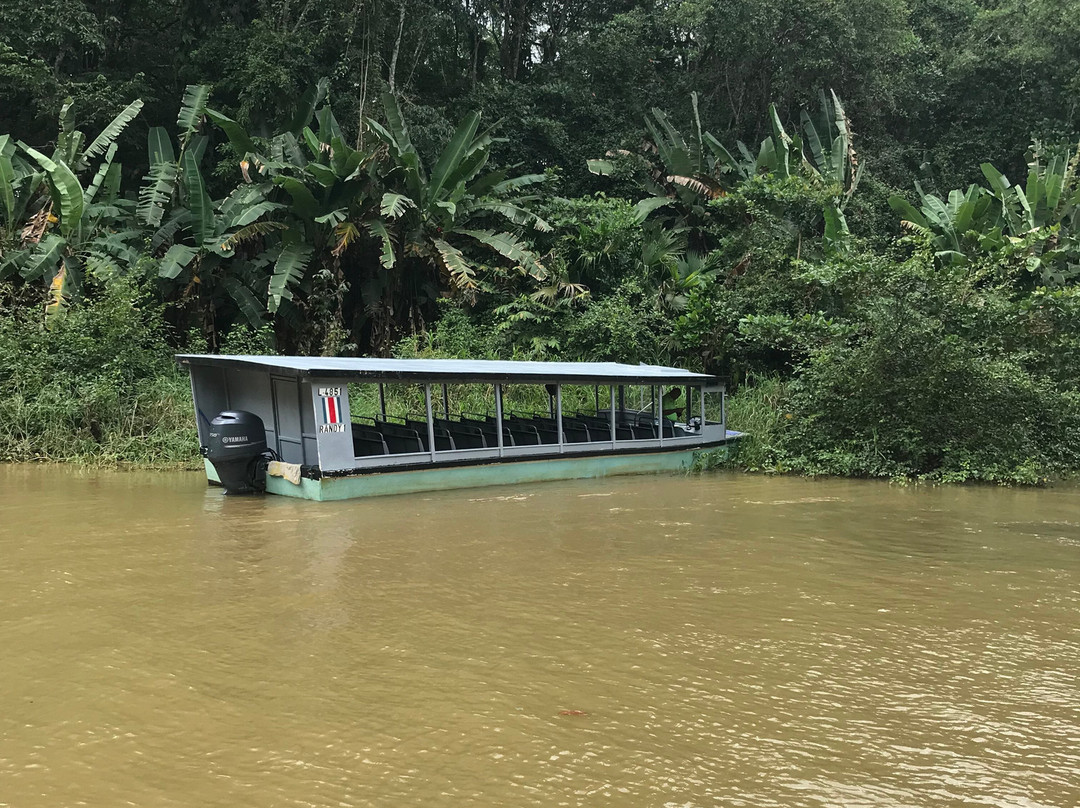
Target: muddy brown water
(653,641)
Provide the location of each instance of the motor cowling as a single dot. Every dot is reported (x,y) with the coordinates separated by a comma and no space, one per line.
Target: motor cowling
(236,445)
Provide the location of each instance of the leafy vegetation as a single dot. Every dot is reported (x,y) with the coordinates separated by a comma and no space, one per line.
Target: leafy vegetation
(875,239)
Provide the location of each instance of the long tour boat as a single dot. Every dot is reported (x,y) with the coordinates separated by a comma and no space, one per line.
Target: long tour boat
(337,428)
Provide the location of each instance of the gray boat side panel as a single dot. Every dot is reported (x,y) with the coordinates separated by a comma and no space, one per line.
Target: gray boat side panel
(211,396)
(462,370)
(333,429)
(290,439)
(307,424)
(250,390)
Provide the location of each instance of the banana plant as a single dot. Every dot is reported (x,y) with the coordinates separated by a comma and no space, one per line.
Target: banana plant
(326,186)
(1043,217)
(966,221)
(437,219)
(73,229)
(217,251)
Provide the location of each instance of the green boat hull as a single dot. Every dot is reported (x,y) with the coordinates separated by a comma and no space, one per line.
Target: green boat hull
(517,472)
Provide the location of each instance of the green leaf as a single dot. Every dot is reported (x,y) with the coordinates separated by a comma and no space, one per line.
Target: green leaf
(379,231)
(454,153)
(394,206)
(506,245)
(238,138)
(515,214)
(43,259)
(288,271)
(603,168)
(65,188)
(245,300)
(202,211)
(176,260)
(396,122)
(159,146)
(7,179)
(305,107)
(99,177)
(156,192)
(111,132)
(646,206)
(459,270)
(907,211)
(192,108)
(304,202)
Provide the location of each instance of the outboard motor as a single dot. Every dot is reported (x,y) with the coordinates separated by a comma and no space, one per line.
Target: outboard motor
(236,445)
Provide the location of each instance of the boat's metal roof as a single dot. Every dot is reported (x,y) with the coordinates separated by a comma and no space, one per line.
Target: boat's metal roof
(453,370)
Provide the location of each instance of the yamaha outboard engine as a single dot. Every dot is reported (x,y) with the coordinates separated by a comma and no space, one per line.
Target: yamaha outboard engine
(236,445)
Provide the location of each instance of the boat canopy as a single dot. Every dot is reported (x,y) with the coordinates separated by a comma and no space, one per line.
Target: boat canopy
(457,371)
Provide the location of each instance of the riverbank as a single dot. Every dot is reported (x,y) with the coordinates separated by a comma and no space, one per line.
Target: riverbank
(903,399)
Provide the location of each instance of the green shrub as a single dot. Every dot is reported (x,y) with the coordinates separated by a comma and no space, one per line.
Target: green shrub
(99,386)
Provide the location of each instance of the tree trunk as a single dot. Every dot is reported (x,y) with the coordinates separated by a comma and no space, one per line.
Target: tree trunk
(397,48)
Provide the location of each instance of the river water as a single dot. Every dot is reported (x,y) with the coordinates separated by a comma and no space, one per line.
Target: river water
(654,641)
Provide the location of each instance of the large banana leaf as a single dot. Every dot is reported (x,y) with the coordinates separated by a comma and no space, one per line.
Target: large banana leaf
(453,154)
(192,108)
(459,270)
(44,258)
(7,179)
(198,202)
(111,132)
(379,231)
(393,206)
(65,188)
(304,202)
(305,107)
(176,260)
(506,245)
(396,122)
(288,271)
(245,300)
(156,192)
(239,138)
(99,177)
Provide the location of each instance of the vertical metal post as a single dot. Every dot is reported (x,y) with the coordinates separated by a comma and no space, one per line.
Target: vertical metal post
(446,402)
(382,401)
(660,421)
(596,395)
(702,413)
(723,410)
(430,421)
(611,390)
(498,417)
(558,414)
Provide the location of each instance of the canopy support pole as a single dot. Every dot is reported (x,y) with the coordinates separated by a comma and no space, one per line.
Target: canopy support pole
(611,391)
(382,400)
(446,402)
(499,417)
(558,415)
(430,421)
(663,417)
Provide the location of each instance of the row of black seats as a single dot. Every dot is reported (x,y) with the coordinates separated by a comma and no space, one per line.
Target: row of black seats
(372,436)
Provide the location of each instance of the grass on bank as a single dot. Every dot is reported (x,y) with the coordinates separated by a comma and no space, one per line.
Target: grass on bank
(98,387)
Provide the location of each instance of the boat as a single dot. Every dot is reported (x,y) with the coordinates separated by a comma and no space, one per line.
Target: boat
(338,428)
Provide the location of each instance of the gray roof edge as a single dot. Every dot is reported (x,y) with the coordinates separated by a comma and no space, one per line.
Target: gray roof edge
(446,370)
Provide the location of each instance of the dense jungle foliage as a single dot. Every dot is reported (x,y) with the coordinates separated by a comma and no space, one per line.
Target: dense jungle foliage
(865,214)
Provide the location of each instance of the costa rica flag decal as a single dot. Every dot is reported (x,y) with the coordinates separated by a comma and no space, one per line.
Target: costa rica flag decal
(332,410)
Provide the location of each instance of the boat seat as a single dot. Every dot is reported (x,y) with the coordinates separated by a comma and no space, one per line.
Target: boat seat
(368,442)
